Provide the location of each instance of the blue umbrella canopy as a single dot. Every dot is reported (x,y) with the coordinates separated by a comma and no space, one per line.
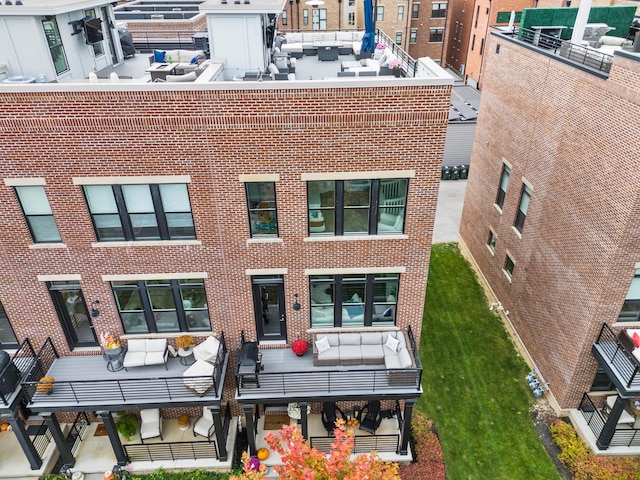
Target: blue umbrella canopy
(369,39)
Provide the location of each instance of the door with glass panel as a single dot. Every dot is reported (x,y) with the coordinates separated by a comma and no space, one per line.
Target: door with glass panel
(73,314)
(268,301)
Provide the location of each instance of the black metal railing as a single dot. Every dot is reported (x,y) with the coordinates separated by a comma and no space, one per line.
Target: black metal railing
(148,41)
(116,391)
(409,65)
(171,451)
(21,364)
(609,346)
(77,430)
(622,437)
(362,444)
(40,437)
(585,55)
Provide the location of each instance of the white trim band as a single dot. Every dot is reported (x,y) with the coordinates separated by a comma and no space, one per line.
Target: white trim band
(154,276)
(130,180)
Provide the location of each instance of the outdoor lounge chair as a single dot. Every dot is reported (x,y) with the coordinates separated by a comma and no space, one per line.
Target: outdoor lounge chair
(204,425)
(373,417)
(329,416)
(151,425)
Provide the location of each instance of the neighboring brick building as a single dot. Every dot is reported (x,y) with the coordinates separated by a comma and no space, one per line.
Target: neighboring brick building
(550,220)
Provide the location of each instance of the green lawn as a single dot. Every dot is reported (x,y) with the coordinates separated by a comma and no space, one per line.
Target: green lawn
(474,381)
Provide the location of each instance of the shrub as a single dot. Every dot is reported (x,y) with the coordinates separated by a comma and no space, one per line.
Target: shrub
(428,459)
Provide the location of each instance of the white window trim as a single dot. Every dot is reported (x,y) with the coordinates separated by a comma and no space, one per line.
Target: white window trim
(146,243)
(24,182)
(346,238)
(358,175)
(266,271)
(528,184)
(37,246)
(129,180)
(507,163)
(495,235)
(155,276)
(264,240)
(258,177)
(59,278)
(507,274)
(515,230)
(349,271)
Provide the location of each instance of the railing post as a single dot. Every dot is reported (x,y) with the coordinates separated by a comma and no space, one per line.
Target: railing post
(66,456)
(604,439)
(303,420)
(250,429)
(406,427)
(25,442)
(114,438)
(221,437)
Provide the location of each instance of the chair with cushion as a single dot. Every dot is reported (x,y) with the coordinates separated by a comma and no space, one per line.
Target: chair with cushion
(151,425)
(199,377)
(207,350)
(204,425)
(373,417)
(329,416)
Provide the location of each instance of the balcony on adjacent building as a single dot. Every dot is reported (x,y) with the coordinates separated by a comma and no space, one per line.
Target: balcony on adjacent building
(615,355)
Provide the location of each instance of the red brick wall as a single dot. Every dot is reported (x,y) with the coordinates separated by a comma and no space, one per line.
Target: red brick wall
(213,136)
(571,135)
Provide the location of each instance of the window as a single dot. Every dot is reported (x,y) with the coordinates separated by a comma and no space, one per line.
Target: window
(140,212)
(357,207)
(438,10)
(351,20)
(55,45)
(352,3)
(7,336)
(158,306)
(491,241)
(400,13)
(413,36)
(504,182)
(509,265)
(98,48)
(435,35)
(305,16)
(284,17)
(379,13)
(261,201)
(481,46)
(415,13)
(475,24)
(522,209)
(319,18)
(355,300)
(473,42)
(631,307)
(460,37)
(398,38)
(38,214)
(455,33)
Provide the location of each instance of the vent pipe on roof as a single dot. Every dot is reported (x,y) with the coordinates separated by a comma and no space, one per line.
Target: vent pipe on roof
(581,21)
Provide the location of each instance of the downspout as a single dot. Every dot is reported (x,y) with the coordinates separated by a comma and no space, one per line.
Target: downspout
(486,42)
(339,13)
(298,10)
(407,25)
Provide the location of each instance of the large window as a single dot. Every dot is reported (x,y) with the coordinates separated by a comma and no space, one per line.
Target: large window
(631,307)
(413,36)
(415,13)
(357,207)
(355,300)
(400,13)
(398,38)
(305,16)
(491,241)
(284,17)
(509,266)
(38,214)
(7,336)
(521,216)
(351,19)
(55,45)
(438,10)
(261,201)
(140,212)
(319,18)
(504,183)
(157,306)
(380,13)
(435,35)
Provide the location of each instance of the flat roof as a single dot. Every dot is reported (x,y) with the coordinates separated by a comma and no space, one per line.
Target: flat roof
(48,7)
(243,6)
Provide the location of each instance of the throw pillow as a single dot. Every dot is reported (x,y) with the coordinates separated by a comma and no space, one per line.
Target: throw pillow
(159,56)
(194,60)
(355,310)
(172,351)
(387,313)
(392,343)
(636,339)
(322,344)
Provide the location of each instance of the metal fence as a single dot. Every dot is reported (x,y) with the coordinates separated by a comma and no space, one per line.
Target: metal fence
(362,444)
(171,451)
(622,437)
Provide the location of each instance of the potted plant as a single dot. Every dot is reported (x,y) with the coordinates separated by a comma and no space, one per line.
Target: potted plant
(127,424)
(45,385)
(184,341)
(110,343)
(396,66)
(299,347)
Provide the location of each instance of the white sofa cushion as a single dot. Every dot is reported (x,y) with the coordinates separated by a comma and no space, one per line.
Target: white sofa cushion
(332,355)
(201,369)
(613,41)
(372,352)
(137,345)
(187,77)
(350,352)
(344,36)
(156,345)
(371,338)
(349,339)
(208,350)
(405,358)
(134,359)
(334,339)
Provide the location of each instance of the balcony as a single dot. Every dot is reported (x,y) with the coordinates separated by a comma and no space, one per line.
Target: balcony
(616,359)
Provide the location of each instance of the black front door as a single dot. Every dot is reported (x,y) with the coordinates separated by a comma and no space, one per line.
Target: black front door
(268,301)
(73,314)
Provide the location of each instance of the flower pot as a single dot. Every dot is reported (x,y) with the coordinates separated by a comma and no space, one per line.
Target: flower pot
(397,72)
(113,351)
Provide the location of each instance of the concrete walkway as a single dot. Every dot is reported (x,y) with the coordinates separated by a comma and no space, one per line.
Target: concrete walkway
(449,211)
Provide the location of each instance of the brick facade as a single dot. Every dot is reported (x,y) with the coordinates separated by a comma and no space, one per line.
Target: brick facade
(576,256)
(213,136)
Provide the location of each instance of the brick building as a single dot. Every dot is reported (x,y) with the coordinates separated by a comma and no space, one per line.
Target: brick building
(249,211)
(549,223)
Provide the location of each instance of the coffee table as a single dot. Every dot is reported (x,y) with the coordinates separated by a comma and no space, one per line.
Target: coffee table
(161,70)
(327,50)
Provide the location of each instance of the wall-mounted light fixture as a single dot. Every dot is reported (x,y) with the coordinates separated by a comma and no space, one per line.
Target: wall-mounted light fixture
(94,308)
(296,303)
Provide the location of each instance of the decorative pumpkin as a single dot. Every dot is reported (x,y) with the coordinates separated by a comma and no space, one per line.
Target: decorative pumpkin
(253,465)
(4,426)
(45,385)
(263,454)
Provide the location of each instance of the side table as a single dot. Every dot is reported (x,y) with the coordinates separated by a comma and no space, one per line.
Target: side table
(184,354)
(183,422)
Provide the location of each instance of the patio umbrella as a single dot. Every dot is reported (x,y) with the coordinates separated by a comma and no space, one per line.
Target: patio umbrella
(368,41)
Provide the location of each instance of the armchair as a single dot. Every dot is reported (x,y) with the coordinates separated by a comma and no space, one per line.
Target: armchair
(329,416)
(151,424)
(204,425)
(373,417)
(207,350)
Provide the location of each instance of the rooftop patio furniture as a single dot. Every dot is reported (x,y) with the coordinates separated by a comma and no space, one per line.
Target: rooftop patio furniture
(625,417)
(185,60)
(207,350)
(187,77)
(151,424)
(146,351)
(199,377)
(630,340)
(373,417)
(204,425)
(329,416)
(248,366)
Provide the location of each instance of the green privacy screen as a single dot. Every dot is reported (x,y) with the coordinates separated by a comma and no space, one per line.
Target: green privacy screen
(503,17)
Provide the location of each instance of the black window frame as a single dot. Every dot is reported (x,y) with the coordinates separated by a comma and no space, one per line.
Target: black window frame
(437,10)
(257,211)
(147,313)
(339,284)
(30,217)
(126,225)
(504,179)
(491,240)
(398,38)
(509,265)
(55,44)
(415,11)
(284,17)
(413,35)
(4,318)
(521,215)
(436,35)
(481,46)
(400,13)
(374,207)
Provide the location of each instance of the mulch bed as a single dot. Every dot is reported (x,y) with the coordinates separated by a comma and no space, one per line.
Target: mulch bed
(543,416)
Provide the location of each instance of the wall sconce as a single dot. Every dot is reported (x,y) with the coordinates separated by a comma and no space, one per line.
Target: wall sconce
(296,303)
(94,310)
